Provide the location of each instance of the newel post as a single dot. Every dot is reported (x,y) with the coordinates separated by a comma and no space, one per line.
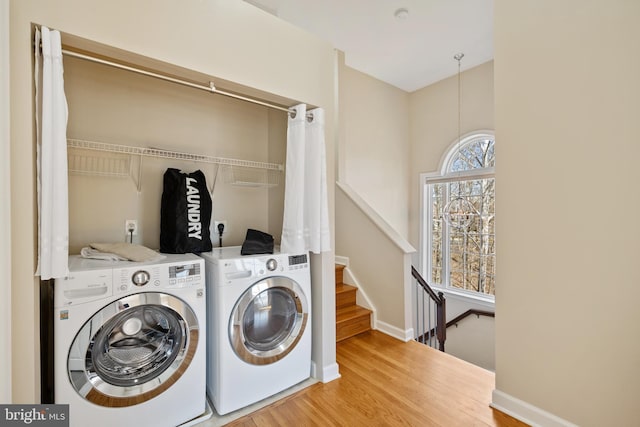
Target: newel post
(441,327)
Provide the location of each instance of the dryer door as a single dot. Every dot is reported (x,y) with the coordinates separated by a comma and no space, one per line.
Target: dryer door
(133,349)
(268,320)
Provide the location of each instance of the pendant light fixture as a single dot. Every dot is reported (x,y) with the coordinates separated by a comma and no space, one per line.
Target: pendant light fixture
(459,211)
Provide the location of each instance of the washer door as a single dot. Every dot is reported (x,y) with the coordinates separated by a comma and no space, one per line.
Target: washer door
(268,320)
(133,349)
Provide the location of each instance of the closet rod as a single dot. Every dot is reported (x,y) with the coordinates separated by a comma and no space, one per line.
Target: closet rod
(211,88)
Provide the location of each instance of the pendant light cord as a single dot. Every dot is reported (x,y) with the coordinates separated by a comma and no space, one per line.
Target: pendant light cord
(458,211)
(458,57)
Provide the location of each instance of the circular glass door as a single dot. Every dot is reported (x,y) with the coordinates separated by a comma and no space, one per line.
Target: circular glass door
(268,320)
(133,349)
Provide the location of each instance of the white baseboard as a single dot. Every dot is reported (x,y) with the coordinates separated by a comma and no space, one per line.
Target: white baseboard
(526,412)
(401,334)
(362,298)
(326,374)
(342,260)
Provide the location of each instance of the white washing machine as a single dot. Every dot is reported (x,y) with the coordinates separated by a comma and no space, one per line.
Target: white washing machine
(130,341)
(259,325)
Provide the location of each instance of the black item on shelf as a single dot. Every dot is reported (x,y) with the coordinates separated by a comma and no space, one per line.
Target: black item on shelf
(185,213)
(256,242)
(220,231)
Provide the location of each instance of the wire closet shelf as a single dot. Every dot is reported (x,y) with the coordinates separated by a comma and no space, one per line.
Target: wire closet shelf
(236,171)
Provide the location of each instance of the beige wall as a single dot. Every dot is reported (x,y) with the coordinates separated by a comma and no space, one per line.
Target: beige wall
(567,87)
(376,156)
(473,339)
(376,261)
(5,212)
(434,125)
(372,225)
(277,154)
(226,39)
(120,107)
(388,137)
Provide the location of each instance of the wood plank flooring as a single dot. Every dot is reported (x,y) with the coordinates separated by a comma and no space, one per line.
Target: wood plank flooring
(386,382)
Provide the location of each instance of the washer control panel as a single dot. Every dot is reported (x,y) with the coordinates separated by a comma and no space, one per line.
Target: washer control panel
(159,276)
(91,279)
(83,286)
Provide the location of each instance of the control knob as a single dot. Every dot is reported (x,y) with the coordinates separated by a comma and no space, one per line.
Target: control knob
(140,278)
(272,264)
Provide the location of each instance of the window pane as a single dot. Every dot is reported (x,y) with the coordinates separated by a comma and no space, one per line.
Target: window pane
(471,250)
(437,191)
(464,258)
(475,154)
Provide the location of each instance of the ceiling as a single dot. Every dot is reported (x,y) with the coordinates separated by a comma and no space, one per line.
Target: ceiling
(408,53)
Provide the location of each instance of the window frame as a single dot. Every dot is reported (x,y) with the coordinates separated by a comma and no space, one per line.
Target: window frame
(442,175)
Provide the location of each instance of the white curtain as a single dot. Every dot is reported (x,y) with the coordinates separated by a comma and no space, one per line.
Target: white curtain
(51,121)
(305,225)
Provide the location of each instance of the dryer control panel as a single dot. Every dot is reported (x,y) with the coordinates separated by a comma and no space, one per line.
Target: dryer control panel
(297,262)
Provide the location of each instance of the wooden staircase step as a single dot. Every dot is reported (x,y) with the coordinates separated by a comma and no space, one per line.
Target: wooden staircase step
(352,320)
(345,295)
(339,273)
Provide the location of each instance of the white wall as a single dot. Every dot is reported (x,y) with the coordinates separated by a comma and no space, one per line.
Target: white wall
(376,152)
(566,97)
(434,126)
(224,39)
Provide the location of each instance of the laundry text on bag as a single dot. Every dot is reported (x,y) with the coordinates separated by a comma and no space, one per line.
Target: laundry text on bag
(193,208)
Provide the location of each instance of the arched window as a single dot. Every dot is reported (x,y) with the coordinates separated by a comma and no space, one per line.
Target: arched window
(462,258)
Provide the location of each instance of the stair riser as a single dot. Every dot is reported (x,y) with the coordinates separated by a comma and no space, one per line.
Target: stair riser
(339,275)
(345,299)
(351,327)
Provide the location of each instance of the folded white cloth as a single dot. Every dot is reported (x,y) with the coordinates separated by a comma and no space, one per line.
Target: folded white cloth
(121,251)
(89,252)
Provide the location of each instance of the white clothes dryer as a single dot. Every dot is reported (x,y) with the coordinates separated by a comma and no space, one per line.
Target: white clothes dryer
(259,325)
(130,341)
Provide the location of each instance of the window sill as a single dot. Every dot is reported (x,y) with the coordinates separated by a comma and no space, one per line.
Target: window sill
(486,301)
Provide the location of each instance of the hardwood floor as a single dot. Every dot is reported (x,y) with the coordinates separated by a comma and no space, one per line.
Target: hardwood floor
(386,382)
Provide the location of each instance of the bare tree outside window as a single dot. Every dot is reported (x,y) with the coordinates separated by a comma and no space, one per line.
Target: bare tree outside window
(464,258)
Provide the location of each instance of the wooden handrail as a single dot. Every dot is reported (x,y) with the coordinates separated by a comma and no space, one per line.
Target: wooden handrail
(468,313)
(441,327)
(440,330)
(437,298)
(457,319)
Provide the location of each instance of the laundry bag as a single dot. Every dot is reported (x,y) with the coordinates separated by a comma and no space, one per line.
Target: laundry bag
(185,213)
